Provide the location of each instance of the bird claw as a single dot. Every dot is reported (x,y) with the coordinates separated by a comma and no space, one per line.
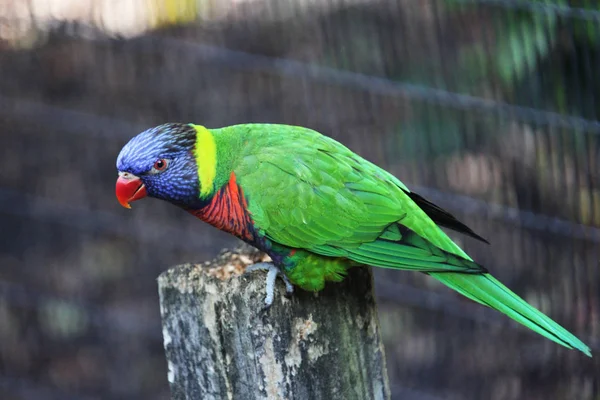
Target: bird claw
(272,273)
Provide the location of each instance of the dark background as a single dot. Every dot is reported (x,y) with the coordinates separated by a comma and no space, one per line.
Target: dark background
(489,108)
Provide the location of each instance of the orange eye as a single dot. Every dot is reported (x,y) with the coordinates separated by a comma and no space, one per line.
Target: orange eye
(160,165)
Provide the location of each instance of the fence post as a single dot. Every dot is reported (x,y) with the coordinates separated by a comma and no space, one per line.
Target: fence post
(220,345)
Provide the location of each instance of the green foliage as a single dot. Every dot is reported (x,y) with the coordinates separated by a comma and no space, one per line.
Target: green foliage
(588,30)
(531,57)
(522,39)
(526,41)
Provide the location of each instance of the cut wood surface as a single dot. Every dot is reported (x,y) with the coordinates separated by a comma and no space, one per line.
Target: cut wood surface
(221,344)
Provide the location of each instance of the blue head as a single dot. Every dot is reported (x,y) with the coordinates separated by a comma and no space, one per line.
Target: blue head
(159,162)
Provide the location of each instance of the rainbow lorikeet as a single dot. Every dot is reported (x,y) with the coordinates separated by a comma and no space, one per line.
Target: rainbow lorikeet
(315,207)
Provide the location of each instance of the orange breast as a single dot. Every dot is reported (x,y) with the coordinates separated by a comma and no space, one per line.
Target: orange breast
(228,211)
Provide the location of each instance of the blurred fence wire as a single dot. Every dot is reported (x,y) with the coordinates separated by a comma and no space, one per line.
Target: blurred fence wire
(487,107)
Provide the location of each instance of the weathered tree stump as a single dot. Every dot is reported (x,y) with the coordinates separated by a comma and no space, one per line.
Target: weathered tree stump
(221,345)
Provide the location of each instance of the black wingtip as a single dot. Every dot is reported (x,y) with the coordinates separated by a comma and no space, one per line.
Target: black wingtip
(443,217)
(472,234)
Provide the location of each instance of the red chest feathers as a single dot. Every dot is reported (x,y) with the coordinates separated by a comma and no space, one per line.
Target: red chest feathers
(228,211)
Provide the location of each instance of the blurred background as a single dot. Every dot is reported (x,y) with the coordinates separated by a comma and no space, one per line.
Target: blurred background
(487,107)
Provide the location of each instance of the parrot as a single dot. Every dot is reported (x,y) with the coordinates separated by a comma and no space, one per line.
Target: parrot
(314,206)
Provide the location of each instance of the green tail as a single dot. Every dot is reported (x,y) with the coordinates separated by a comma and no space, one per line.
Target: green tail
(487,290)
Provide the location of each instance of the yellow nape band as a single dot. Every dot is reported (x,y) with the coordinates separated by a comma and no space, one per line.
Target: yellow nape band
(205,152)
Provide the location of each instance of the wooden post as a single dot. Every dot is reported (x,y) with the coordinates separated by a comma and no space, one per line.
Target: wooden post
(221,345)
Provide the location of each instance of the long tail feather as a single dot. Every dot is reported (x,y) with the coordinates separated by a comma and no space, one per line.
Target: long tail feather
(487,290)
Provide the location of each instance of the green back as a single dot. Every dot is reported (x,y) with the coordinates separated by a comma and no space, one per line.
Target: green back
(308,191)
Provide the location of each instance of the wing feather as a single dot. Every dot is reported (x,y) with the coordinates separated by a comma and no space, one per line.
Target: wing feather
(307,191)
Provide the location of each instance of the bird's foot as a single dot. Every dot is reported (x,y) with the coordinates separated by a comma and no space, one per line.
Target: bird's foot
(272,272)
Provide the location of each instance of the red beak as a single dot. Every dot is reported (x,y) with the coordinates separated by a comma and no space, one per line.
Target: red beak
(129,188)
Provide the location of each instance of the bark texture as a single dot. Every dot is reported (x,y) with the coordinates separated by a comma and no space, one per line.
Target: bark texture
(221,345)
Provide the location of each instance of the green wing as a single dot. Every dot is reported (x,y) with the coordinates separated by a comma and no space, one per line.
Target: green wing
(308,191)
